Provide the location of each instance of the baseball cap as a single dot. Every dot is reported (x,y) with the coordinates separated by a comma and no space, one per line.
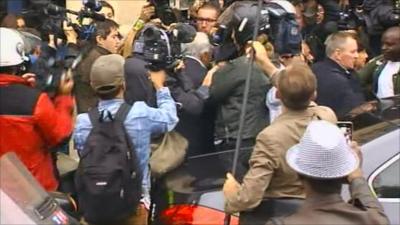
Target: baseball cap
(107,73)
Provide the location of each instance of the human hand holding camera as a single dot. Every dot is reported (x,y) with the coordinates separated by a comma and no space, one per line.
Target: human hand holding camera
(158,78)
(147,13)
(208,78)
(66,83)
(258,51)
(30,78)
(70,33)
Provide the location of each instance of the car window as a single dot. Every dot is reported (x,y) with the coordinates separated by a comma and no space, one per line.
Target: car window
(387,183)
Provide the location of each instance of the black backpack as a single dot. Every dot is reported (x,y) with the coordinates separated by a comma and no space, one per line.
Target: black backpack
(108,178)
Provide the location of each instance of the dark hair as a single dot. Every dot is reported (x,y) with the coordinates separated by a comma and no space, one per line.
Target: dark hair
(9,21)
(107,5)
(111,93)
(13,70)
(104,28)
(324,186)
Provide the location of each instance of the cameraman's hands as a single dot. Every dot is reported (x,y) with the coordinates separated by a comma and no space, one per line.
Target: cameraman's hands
(258,51)
(158,78)
(30,78)
(66,83)
(70,33)
(208,78)
(147,12)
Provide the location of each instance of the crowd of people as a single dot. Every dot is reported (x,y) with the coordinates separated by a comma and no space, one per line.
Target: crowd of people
(332,67)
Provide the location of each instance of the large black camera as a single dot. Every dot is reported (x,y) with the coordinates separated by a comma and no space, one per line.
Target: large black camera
(276,20)
(162,48)
(351,18)
(56,15)
(164,11)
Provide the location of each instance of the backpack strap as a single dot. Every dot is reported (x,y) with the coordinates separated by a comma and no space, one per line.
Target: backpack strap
(122,112)
(94,116)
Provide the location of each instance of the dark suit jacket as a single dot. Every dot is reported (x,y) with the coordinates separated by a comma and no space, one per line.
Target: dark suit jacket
(195,71)
(196,118)
(331,209)
(337,88)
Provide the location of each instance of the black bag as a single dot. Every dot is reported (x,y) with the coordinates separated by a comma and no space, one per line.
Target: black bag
(108,179)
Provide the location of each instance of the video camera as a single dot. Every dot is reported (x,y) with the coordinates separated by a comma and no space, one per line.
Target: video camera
(165,9)
(57,15)
(277,21)
(162,48)
(350,18)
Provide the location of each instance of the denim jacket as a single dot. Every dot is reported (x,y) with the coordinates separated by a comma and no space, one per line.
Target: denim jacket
(141,122)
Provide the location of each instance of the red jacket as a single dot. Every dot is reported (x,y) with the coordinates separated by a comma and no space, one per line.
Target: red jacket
(30,124)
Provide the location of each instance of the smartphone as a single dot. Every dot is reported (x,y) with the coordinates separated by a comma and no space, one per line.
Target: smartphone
(347,128)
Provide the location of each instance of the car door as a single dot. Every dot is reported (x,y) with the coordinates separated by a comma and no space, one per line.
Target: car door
(385,183)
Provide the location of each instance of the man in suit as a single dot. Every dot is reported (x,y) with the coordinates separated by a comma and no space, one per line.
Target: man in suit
(198,56)
(197,126)
(323,158)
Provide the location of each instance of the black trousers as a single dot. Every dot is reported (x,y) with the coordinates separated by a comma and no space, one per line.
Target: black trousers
(243,158)
(269,208)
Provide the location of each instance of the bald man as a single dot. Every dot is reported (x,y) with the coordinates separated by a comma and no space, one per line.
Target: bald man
(381,75)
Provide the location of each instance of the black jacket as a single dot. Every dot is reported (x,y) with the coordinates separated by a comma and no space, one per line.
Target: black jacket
(337,88)
(196,123)
(85,96)
(138,85)
(226,92)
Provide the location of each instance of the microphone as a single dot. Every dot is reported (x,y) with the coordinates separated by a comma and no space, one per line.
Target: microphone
(184,33)
(55,10)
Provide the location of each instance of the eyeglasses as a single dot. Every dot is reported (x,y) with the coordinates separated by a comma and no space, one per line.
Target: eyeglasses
(208,20)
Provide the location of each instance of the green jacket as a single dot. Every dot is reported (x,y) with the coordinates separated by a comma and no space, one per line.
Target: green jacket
(226,92)
(369,76)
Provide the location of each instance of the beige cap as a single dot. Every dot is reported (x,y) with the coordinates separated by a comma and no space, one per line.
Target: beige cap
(107,73)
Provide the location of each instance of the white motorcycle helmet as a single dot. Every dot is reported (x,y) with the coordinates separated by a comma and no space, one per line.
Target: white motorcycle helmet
(11,48)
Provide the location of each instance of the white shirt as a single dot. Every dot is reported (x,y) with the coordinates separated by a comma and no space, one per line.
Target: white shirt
(274,104)
(385,80)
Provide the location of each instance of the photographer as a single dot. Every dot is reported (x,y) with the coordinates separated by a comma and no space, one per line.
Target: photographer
(226,90)
(48,60)
(159,49)
(105,40)
(28,113)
